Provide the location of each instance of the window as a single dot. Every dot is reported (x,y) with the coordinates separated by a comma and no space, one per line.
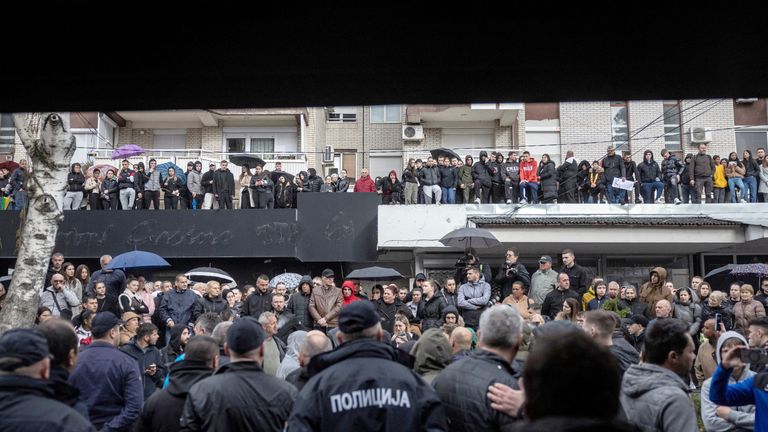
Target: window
(385,114)
(620,125)
(255,145)
(7,133)
(672,130)
(235,145)
(262,145)
(342,114)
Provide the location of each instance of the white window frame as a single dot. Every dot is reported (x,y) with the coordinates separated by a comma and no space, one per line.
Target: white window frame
(342,114)
(678,143)
(248,136)
(9,132)
(386,109)
(616,129)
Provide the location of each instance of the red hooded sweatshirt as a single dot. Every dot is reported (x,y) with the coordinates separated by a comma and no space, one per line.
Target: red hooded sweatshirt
(353,297)
(365,185)
(528,171)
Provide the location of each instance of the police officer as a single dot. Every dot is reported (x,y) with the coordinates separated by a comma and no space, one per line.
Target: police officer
(363,384)
(26,401)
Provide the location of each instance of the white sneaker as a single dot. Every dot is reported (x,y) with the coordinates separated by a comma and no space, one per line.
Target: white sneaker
(523,201)
(477,201)
(509,201)
(660,200)
(743,200)
(677,201)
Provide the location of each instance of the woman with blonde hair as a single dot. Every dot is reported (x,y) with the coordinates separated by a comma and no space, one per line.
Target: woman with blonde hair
(401,333)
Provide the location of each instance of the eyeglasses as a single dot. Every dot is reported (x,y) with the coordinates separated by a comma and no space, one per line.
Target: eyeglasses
(57,281)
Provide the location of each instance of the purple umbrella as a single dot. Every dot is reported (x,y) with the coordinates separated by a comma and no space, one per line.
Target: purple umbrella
(126,151)
(750,270)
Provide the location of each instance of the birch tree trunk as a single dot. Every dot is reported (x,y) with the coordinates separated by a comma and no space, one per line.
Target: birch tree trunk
(50,146)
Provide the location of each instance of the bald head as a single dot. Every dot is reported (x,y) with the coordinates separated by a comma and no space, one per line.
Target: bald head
(461,339)
(663,309)
(315,343)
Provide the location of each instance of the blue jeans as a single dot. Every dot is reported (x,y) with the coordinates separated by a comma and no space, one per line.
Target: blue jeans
(616,195)
(733,183)
(750,185)
(19,200)
(649,197)
(448,196)
(534,187)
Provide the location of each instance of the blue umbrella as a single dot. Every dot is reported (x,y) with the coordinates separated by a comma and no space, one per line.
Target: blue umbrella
(137,259)
(179,171)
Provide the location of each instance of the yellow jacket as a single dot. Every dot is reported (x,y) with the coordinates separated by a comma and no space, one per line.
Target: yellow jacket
(719,177)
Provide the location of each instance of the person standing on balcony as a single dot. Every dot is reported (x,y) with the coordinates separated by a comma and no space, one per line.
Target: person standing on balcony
(449,180)
(482,174)
(92,186)
(567,178)
(632,174)
(466,182)
(343,184)
(751,176)
(75,180)
(547,177)
(172,189)
(497,180)
(430,179)
(671,168)
(365,183)
(511,170)
(185,197)
(141,180)
(224,186)
(650,178)
(152,186)
(126,183)
(109,191)
(703,168)
(246,200)
(314,181)
(283,193)
(263,189)
(207,181)
(411,182)
(195,185)
(613,165)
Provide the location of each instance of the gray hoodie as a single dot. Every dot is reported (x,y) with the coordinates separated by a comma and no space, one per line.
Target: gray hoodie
(656,399)
(741,417)
(194,182)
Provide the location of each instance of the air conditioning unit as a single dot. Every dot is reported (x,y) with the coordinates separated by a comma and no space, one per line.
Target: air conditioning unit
(328,154)
(700,135)
(746,100)
(413,132)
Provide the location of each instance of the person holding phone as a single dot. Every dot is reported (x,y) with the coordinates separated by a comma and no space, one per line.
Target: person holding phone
(751,391)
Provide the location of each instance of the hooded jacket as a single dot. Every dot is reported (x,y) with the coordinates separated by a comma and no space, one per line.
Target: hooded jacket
(624,353)
(651,293)
(366,380)
(528,171)
(365,185)
(649,170)
(75,181)
(387,313)
(433,353)
(567,174)
(451,310)
(239,396)
(298,304)
(144,358)
(449,177)
(671,167)
(207,304)
(290,362)
(28,404)
(195,182)
(463,388)
(314,181)
(342,185)
(163,409)
(206,180)
(656,399)
(547,175)
(430,175)
(740,416)
(126,179)
(482,172)
(223,182)
(430,312)
(689,313)
(614,167)
(257,303)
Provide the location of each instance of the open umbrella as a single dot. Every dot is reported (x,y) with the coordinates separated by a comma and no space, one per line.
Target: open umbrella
(127,151)
(205,274)
(724,270)
(291,280)
(6,281)
(470,238)
(10,165)
(252,161)
(163,168)
(103,168)
(750,270)
(137,260)
(444,152)
(375,273)
(275,175)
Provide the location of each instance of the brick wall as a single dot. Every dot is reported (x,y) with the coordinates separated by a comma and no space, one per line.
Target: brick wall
(212,138)
(716,114)
(646,127)
(582,123)
(502,137)
(194,138)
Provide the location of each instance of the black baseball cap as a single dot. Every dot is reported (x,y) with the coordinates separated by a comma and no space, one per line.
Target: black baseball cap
(26,346)
(104,321)
(245,335)
(545,259)
(328,273)
(357,316)
(421,276)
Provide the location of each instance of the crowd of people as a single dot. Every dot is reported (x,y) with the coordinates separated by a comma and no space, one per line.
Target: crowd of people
(114,352)
(442,180)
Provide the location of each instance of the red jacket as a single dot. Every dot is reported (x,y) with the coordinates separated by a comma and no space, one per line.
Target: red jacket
(365,185)
(528,171)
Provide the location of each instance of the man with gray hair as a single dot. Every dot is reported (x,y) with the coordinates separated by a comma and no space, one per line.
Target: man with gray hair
(114,280)
(220,335)
(363,383)
(463,386)
(274,348)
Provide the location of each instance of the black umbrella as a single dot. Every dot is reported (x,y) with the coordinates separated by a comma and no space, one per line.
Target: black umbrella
(251,161)
(470,238)
(6,281)
(375,273)
(205,274)
(275,175)
(444,152)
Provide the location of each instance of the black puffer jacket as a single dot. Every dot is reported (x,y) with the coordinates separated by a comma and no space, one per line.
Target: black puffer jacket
(547,174)
(298,305)
(239,396)
(671,167)
(518,272)
(28,404)
(207,304)
(314,182)
(649,171)
(463,388)
(387,313)
(361,386)
(482,172)
(430,312)
(75,181)
(567,175)
(256,303)
(614,167)
(163,409)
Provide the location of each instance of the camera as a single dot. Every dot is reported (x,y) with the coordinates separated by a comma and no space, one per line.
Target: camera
(462,261)
(754,356)
(510,270)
